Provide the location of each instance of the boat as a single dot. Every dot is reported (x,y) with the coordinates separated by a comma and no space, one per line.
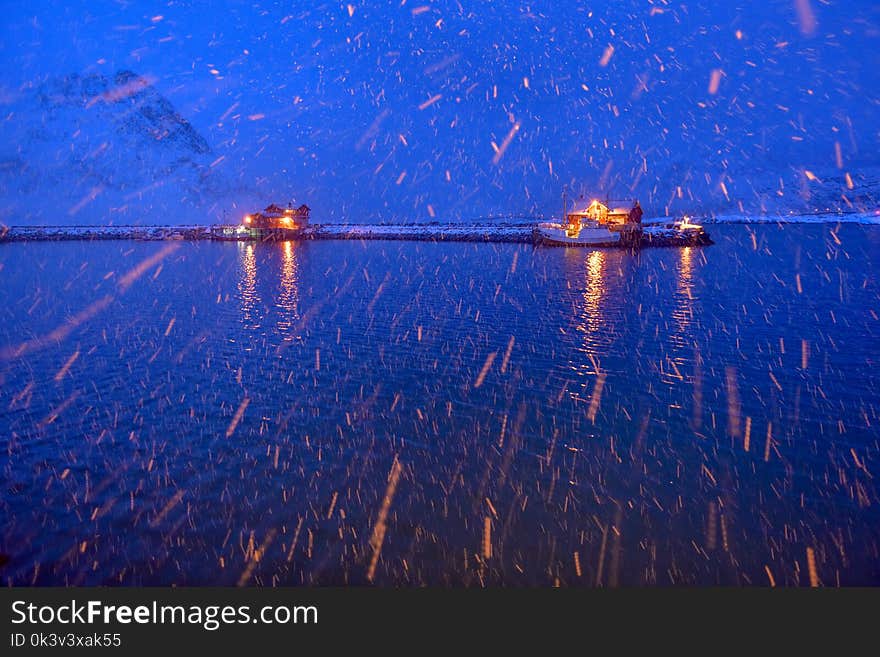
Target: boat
(599,224)
(686,227)
(584,235)
(678,232)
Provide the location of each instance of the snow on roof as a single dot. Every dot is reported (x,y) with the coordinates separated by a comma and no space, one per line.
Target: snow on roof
(617,206)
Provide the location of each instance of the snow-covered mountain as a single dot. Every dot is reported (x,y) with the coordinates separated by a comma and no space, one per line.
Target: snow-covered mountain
(92,149)
(96,149)
(450,111)
(798,189)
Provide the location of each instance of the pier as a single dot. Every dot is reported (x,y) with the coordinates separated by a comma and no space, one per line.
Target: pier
(519,232)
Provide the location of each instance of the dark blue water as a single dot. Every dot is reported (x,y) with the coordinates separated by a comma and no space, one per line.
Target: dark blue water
(465,414)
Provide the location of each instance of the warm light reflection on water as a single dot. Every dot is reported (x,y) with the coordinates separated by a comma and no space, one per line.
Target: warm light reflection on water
(683,312)
(247,285)
(591,325)
(681,352)
(288,296)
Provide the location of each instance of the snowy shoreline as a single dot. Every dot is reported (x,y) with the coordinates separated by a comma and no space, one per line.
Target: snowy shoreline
(519,231)
(865,218)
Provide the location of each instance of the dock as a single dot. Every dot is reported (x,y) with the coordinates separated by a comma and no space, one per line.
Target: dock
(517,232)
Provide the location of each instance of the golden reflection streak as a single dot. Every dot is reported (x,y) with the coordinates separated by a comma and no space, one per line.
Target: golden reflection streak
(247,285)
(683,313)
(591,324)
(681,345)
(591,314)
(288,299)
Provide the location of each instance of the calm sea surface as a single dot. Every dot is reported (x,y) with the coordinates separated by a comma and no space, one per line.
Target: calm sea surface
(467,414)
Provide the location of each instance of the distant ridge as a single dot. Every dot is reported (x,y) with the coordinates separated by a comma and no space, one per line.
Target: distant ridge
(98,149)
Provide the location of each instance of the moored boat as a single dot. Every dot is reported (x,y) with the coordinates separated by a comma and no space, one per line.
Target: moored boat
(679,232)
(586,235)
(599,224)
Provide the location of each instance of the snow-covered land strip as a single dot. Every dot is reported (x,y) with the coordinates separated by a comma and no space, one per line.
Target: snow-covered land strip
(38,233)
(521,232)
(817,218)
(428,232)
(778,218)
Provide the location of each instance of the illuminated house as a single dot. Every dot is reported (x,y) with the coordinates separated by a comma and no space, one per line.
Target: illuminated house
(599,223)
(276,217)
(600,213)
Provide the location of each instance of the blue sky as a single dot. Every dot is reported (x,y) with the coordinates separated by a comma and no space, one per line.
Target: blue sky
(399,110)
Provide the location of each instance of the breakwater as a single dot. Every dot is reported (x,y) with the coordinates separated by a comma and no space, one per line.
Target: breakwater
(521,232)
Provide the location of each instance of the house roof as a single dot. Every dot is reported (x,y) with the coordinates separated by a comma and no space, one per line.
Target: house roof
(614,207)
(274,208)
